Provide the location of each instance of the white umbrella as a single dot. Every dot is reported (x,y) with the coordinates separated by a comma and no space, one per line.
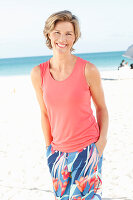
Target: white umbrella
(129,52)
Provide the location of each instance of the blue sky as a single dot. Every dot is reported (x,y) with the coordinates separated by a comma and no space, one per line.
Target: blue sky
(106,25)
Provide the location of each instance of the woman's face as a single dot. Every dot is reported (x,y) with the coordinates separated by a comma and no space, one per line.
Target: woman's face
(62,37)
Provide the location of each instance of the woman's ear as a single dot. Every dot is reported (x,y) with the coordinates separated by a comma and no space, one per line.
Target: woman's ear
(49,36)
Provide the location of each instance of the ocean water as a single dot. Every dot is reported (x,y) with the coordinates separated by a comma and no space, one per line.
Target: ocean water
(22,66)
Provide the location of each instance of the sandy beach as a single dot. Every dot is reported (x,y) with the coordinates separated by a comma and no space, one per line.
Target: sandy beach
(24,173)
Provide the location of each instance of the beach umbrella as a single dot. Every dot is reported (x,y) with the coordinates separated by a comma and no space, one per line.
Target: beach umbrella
(129,52)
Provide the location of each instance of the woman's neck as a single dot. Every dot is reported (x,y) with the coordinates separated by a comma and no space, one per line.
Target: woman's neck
(61,61)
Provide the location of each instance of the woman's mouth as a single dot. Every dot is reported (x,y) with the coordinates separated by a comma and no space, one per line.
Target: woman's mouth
(61,45)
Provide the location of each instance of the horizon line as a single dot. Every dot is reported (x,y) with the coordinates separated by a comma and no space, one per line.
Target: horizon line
(51,54)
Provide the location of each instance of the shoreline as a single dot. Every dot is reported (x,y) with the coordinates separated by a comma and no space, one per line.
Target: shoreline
(109,73)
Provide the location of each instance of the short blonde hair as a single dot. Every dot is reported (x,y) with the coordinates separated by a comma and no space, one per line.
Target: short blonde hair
(64,16)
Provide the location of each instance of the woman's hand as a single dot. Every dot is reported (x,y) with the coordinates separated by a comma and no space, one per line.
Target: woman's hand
(100,144)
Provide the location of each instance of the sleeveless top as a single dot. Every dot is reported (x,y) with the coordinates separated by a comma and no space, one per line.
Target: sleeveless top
(68,103)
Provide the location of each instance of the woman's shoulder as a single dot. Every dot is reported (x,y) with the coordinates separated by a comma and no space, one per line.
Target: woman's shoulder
(35,71)
(38,69)
(90,67)
(36,75)
(91,71)
(86,61)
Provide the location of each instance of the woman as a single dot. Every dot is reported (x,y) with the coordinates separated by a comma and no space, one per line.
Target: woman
(64,85)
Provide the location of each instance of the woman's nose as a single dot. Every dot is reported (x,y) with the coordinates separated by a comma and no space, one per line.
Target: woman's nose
(62,38)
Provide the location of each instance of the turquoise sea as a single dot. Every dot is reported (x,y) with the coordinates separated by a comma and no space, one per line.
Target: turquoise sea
(23,65)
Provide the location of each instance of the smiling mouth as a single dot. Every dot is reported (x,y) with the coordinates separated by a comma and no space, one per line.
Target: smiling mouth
(61,45)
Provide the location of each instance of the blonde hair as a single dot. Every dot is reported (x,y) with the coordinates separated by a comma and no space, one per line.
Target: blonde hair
(64,16)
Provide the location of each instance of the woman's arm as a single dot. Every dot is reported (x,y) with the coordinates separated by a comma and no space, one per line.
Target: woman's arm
(36,81)
(94,81)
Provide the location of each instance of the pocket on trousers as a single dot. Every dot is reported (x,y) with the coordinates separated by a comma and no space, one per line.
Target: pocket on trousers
(97,151)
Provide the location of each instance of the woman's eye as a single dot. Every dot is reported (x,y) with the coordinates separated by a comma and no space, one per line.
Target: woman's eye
(68,34)
(57,32)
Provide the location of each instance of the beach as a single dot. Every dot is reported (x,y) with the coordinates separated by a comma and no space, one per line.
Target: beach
(24,174)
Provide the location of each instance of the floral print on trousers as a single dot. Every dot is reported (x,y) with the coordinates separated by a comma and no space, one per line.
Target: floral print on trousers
(76,175)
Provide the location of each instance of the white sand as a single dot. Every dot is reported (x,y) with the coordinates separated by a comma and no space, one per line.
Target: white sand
(24,173)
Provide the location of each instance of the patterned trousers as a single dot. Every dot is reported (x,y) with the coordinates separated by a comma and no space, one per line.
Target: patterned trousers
(76,175)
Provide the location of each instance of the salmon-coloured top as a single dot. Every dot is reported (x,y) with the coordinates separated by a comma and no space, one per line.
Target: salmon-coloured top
(68,103)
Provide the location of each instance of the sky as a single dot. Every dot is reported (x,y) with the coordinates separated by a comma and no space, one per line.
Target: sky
(106,25)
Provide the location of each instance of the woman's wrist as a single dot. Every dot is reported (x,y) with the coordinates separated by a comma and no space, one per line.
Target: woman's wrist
(103,139)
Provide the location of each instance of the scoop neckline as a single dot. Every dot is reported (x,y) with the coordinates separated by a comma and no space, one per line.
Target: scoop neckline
(65,78)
